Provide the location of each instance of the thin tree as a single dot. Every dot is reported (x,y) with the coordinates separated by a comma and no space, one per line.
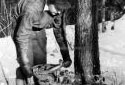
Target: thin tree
(86,41)
(103,16)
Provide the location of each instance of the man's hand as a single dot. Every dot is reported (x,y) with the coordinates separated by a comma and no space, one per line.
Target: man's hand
(27,71)
(67,63)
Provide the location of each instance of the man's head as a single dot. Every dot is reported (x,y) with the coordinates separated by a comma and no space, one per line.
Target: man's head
(57,6)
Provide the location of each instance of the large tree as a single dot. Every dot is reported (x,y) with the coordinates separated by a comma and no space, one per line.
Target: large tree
(86,41)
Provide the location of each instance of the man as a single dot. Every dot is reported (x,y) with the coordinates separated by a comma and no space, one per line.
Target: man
(30,36)
(30,44)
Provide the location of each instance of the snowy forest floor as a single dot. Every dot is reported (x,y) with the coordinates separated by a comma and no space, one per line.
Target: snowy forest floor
(112,52)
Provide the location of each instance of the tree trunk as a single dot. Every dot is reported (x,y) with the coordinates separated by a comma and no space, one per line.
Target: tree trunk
(103,16)
(86,41)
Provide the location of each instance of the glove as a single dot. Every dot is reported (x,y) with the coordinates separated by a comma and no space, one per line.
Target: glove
(67,63)
(27,70)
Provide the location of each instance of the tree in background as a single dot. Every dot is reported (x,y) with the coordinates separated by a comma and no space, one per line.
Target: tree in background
(87,63)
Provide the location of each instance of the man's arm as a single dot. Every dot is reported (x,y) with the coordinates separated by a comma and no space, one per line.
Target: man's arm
(60,36)
(24,45)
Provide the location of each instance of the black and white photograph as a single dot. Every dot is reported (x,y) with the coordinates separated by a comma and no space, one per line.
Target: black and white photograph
(62,42)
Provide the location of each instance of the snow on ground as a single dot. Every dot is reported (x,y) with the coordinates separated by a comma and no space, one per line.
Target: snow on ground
(8,63)
(112,50)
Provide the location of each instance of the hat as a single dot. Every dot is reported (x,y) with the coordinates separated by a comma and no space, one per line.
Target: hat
(60,4)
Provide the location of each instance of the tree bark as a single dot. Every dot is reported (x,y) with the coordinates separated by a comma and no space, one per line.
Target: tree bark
(86,41)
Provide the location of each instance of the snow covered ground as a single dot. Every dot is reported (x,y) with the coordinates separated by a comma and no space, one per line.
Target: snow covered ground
(112,51)
(8,63)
